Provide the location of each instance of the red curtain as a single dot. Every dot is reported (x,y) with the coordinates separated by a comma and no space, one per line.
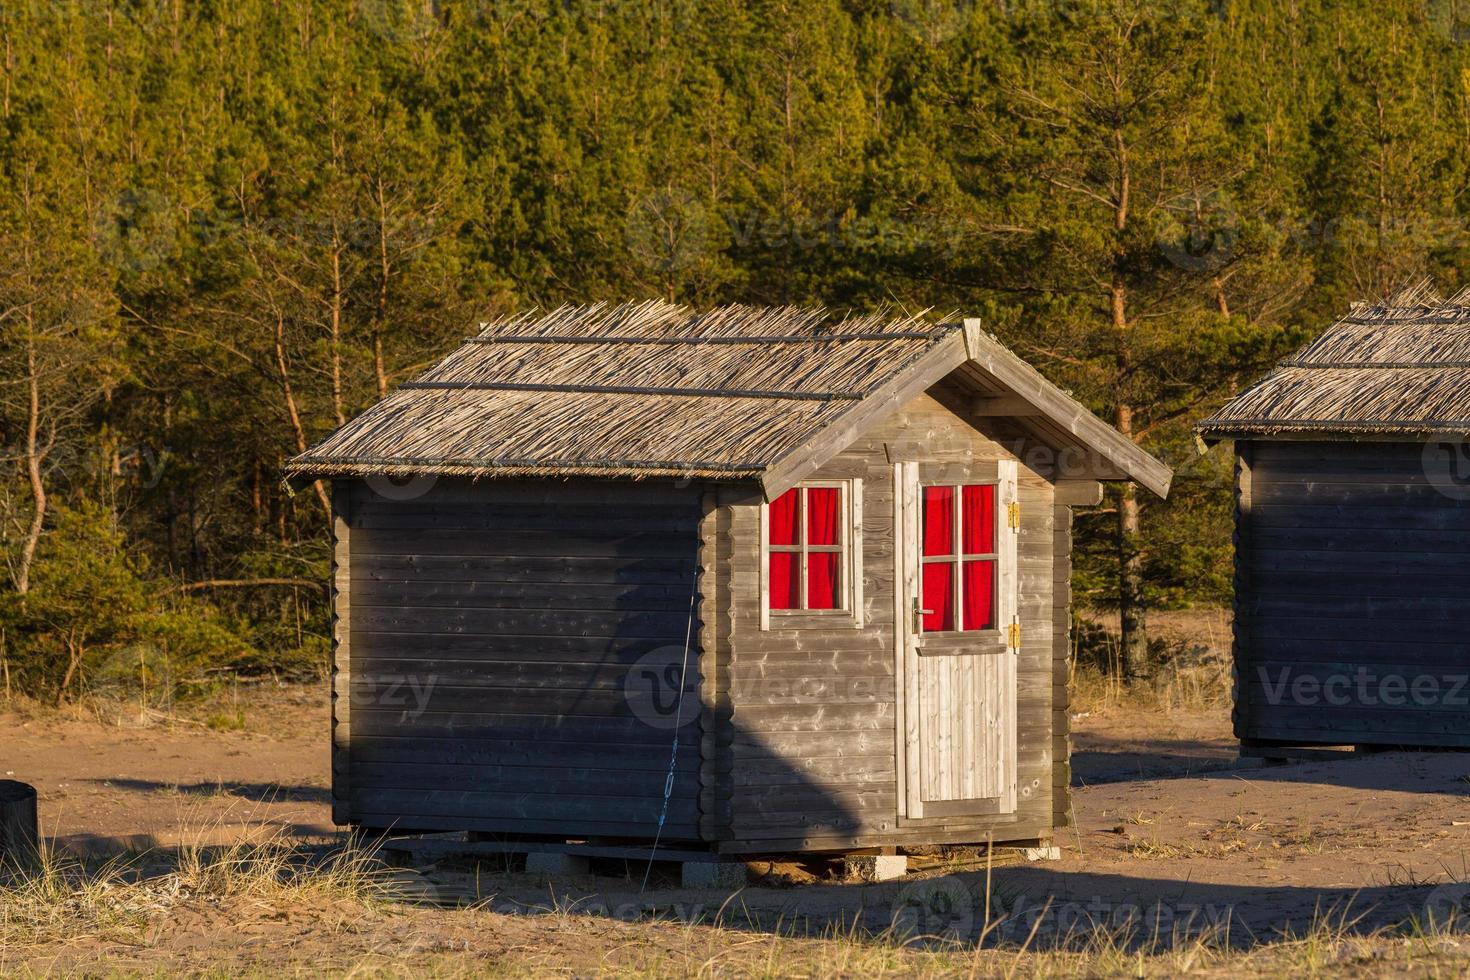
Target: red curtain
(938,587)
(974,608)
(979,595)
(821,504)
(785,517)
(785,580)
(823,508)
(821,580)
(978,526)
(938,521)
(785,574)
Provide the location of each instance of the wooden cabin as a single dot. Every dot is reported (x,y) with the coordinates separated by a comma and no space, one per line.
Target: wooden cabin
(1352,543)
(808,574)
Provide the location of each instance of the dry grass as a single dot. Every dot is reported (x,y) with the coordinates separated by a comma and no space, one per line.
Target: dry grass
(58,898)
(1192,653)
(56,917)
(234,705)
(1198,686)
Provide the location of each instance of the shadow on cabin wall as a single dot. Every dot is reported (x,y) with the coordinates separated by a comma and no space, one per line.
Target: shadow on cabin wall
(518,667)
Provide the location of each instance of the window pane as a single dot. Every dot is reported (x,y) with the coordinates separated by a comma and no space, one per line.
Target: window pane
(938,521)
(823,580)
(938,603)
(980,595)
(785,515)
(785,580)
(822,510)
(979,520)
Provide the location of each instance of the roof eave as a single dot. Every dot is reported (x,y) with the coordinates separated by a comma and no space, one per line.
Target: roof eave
(917,377)
(1215,431)
(1063,410)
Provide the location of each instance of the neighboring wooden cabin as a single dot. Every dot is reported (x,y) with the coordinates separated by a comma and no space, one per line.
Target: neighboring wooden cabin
(1352,553)
(858,531)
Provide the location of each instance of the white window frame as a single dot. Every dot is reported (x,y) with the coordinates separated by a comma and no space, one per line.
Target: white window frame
(849,615)
(957,557)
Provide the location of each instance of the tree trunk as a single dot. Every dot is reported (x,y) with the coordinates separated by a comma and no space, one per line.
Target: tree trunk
(33,460)
(1133,643)
(380,311)
(74,660)
(294,415)
(336,329)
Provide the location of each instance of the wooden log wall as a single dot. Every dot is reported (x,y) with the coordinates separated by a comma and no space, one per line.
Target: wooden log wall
(1061,666)
(495,631)
(1353,571)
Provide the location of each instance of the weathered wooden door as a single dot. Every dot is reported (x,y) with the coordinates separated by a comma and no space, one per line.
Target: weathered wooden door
(958,637)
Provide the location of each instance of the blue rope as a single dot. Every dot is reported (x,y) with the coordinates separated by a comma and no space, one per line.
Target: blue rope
(663,814)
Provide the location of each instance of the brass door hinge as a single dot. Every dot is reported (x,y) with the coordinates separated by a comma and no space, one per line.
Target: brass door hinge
(1013,636)
(1013,515)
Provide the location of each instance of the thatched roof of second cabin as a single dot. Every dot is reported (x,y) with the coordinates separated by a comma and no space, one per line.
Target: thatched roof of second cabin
(654,389)
(1399,367)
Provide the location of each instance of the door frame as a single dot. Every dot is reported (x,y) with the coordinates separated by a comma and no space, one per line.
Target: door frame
(908,477)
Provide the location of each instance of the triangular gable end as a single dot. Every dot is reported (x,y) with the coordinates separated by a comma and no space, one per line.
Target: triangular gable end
(1060,415)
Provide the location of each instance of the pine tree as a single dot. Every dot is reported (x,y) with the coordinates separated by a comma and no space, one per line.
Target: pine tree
(1102,155)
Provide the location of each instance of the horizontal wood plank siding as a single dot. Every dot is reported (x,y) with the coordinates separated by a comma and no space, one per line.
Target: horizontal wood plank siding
(492,640)
(1353,575)
(812,712)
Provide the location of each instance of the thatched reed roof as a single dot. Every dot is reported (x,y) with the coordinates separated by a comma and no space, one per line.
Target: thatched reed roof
(648,390)
(1399,367)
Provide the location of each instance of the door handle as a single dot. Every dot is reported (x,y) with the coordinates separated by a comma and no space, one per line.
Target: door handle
(919,613)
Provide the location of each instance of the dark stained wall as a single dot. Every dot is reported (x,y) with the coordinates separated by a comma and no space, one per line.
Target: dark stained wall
(1353,581)
(486,636)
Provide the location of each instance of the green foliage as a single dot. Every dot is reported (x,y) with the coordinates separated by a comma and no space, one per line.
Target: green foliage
(226,227)
(92,619)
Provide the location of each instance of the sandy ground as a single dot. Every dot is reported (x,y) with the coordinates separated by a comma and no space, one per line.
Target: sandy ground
(133,780)
(1169,826)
